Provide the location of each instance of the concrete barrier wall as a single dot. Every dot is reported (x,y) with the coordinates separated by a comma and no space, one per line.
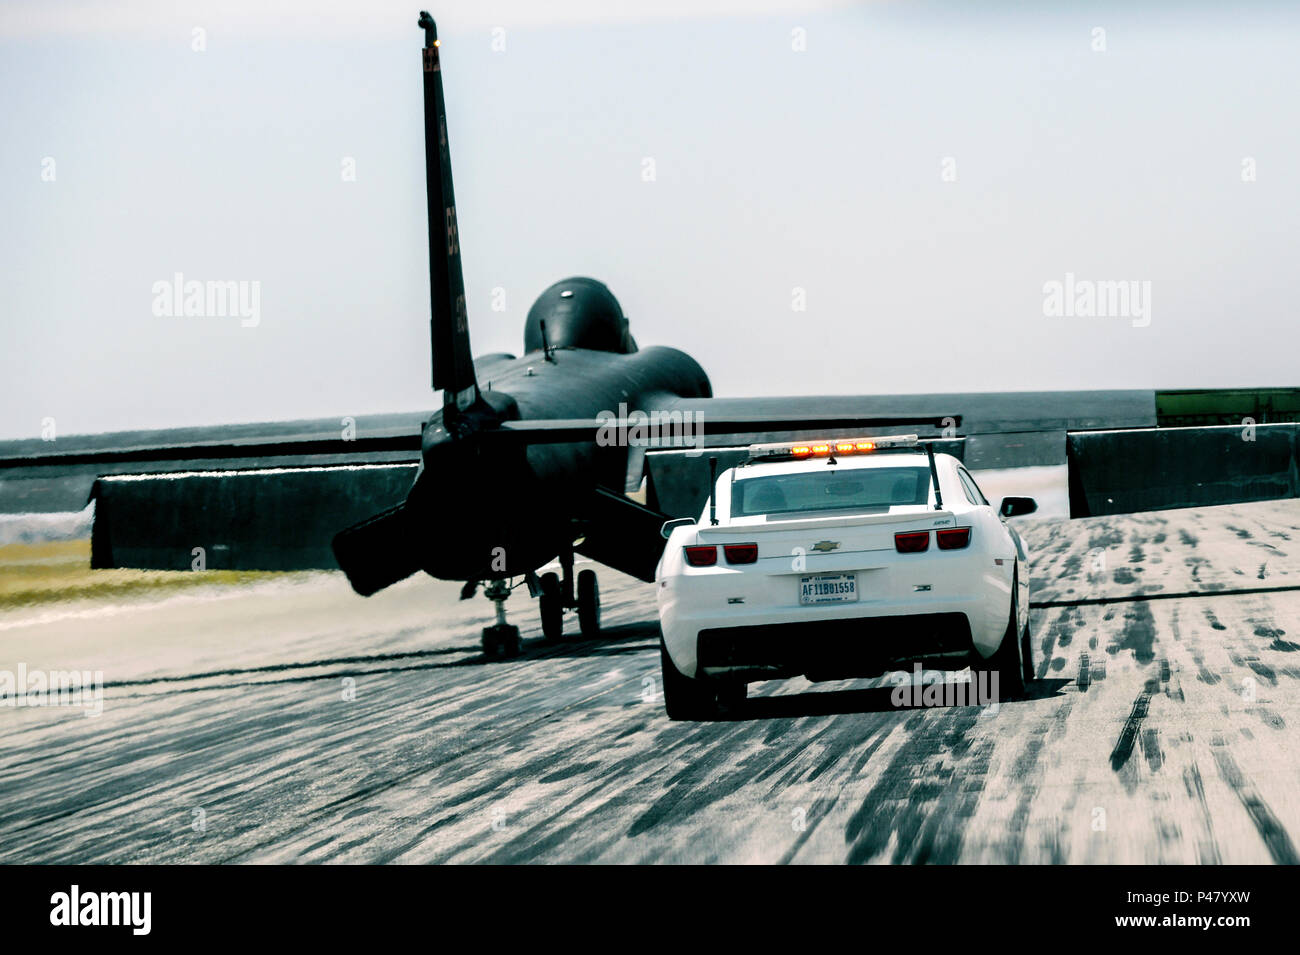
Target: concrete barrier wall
(1119,472)
(243,520)
(43,489)
(1016,449)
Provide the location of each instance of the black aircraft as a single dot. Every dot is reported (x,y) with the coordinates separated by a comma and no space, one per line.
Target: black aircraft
(515,471)
(528,460)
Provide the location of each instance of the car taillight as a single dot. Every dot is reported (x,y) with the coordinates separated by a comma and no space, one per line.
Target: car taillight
(702,556)
(953,538)
(912,543)
(740,553)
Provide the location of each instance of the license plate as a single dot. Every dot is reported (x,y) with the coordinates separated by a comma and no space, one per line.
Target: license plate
(828,589)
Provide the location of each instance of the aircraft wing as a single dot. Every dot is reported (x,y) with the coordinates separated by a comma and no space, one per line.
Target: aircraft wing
(273,496)
(703,422)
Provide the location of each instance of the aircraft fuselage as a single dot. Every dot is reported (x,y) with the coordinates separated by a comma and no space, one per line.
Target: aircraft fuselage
(491,511)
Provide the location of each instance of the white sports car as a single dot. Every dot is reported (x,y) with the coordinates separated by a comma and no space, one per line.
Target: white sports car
(841,559)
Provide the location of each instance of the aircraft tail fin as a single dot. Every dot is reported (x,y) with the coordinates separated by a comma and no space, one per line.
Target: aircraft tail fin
(453,365)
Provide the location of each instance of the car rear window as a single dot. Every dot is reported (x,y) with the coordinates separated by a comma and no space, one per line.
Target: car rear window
(830,489)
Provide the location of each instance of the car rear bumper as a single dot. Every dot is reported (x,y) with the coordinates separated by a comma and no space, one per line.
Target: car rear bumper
(769,635)
(834,649)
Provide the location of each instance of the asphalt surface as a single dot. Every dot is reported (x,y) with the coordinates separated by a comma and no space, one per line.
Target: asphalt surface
(292,721)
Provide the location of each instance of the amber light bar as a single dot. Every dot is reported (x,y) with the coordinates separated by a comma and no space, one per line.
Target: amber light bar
(794,450)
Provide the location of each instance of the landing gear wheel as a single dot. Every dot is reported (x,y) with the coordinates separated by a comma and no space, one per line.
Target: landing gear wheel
(588,605)
(551,606)
(501,640)
(685,698)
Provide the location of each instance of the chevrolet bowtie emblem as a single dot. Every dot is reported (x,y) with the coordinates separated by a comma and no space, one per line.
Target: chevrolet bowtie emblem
(824,547)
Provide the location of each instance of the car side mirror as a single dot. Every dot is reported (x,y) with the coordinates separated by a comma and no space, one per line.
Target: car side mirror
(669,526)
(1016,506)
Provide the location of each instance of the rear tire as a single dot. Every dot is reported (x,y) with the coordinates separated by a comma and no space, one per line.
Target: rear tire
(685,698)
(731,695)
(1027,656)
(1007,662)
(588,605)
(551,607)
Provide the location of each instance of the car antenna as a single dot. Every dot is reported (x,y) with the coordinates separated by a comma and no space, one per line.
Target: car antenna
(713,480)
(934,476)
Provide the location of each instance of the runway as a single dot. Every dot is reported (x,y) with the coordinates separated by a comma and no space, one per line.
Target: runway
(1159,729)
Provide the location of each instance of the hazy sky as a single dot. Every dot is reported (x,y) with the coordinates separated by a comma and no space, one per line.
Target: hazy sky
(821,169)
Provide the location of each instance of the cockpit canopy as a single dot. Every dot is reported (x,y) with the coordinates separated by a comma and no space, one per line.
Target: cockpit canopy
(579,313)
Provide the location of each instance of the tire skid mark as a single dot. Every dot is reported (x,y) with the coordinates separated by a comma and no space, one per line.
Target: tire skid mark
(690,789)
(1207,849)
(823,804)
(914,798)
(1275,837)
(1128,736)
(1268,717)
(1203,673)
(1023,770)
(565,820)
(1151,748)
(385,783)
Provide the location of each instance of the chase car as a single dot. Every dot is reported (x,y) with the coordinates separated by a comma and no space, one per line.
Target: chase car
(841,559)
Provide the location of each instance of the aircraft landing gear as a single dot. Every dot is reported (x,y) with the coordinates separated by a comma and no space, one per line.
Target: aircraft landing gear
(501,639)
(557,595)
(588,603)
(550,603)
